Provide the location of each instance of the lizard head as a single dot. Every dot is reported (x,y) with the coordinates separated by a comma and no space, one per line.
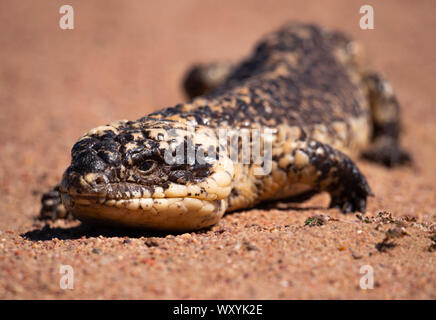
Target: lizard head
(149,173)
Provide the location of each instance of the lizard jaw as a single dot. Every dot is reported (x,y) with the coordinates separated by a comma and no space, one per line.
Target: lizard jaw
(166,214)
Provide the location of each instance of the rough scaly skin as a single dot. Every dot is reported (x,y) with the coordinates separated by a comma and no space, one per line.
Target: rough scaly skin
(302,82)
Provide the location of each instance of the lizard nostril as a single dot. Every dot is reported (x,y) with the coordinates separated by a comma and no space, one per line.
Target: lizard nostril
(99,180)
(95,179)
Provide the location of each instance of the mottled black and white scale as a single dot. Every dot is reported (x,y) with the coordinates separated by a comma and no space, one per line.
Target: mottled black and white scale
(304,83)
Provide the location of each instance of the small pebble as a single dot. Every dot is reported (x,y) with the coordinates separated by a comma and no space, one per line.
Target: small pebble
(96,251)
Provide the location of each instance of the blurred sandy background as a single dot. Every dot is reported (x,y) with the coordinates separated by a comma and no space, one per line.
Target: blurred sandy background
(125,59)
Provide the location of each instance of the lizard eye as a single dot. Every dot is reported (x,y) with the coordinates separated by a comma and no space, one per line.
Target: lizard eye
(147,166)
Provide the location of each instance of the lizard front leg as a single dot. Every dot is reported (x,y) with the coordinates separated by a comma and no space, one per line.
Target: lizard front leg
(52,207)
(323,168)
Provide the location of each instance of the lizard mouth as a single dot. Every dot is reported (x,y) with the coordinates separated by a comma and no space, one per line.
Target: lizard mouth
(124,204)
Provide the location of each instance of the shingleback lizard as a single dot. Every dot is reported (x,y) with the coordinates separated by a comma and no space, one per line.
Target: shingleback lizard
(304,83)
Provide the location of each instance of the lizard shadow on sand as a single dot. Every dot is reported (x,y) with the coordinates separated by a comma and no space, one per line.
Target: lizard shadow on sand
(82,230)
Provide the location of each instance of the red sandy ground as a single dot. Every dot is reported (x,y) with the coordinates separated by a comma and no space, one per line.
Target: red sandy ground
(125,59)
